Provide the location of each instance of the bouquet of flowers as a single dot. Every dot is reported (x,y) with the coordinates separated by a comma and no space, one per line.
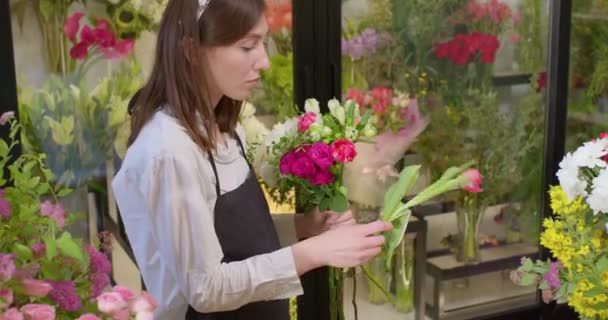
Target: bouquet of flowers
(398,122)
(45,274)
(309,152)
(576,235)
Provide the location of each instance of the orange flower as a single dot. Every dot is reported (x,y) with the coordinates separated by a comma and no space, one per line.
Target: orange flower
(279,15)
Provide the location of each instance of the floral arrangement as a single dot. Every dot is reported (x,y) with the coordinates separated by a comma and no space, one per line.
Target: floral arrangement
(309,152)
(132,17)
(576,235)
(45,274)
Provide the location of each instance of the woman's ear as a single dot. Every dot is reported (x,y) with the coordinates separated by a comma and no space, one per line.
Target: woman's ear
(190,50)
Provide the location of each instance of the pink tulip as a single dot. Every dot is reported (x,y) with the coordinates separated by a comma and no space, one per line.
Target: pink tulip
(38,312)
(11,314)
(36,288)
(6,117)
(126,293)
(6,296)
(471,180)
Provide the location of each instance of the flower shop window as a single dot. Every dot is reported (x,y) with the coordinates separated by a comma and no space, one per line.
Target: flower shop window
(448,82)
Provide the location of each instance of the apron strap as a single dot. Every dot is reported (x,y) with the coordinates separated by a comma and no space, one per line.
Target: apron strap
(217,178)
(238,139)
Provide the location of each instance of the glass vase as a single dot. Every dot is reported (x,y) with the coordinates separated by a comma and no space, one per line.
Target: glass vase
(377,269)
(403,276)
(468,218)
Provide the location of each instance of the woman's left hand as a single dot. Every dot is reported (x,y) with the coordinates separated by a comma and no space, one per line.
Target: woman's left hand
(316,222)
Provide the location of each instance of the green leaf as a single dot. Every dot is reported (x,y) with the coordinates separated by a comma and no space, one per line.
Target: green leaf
(338,203)
(528,279)
(3,148)
(70,248)
(527,265)
(52,270)
(64,192)
(325,204)
(23,252)
(51,247)
(394,237)
(398,190)
(602,264)
(593,292)
(543,285)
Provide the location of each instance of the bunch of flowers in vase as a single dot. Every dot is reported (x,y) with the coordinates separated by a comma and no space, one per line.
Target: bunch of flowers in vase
(45,273)
(576,235)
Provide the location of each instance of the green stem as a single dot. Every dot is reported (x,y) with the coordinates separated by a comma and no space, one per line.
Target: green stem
(377,284)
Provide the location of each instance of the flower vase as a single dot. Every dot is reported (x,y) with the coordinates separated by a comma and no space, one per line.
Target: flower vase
(469,218)
(403,280)
(377,269)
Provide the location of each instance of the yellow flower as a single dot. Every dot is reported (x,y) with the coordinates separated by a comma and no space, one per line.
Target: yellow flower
(562,206)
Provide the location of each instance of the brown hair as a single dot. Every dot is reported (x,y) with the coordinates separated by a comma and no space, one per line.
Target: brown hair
(179,77)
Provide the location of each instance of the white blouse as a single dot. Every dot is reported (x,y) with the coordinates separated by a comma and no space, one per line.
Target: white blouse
(165,190)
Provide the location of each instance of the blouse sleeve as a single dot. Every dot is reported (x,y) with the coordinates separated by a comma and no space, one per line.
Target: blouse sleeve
(175,193)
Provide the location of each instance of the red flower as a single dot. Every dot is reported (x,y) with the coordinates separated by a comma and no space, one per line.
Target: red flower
(279,15)
(471,180)
(541,82)
(79,51)
(356,95)
(72,24)
(87,35)
(321,178)
(343,150)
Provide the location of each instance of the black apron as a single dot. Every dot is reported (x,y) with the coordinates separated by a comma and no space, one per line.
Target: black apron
(244,228)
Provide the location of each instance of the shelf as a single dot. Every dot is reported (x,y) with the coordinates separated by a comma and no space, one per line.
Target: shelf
(446,267)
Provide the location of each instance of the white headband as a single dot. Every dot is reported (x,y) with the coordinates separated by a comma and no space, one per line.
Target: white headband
(202,5)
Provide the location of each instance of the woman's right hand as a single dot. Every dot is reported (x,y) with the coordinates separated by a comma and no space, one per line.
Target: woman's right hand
(347,246)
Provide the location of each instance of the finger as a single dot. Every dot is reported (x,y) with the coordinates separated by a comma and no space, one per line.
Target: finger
(372,242)
(375,227)
(331,217)
(369,254)
(346,216)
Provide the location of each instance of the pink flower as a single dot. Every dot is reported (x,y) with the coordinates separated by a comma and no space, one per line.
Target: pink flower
(7,266)
(126,293)
(5,207)
(286,162)
(357,96)
(145,303)
(46,208)
(111,302)
(146,315)
(516,18)
(320,153)
(471,180)
(306,120)
(59,215)
(39,250)
(72,24)
(88,316)
(321,178)
(6,117)
(79,51)
(11,314)
(87,36)
(119,50)
(64,293)
(102,24)
(99,262)
(104,38)
(38,312)
(36,288)
(122,314)
(515,37)
(343,150)
(303,166)
(99,281)
(6,298)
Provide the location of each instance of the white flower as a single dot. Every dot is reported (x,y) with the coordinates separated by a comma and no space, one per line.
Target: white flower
(312,105)
(569,178)
(598,200)
(280,130)
(590,154)
(337,110)
(351,133)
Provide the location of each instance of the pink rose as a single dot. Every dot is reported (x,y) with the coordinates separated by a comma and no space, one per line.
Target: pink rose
(111,302)
(72,24)
(36,288)
(11,314)
(306,120)
(122,314)
(303,166)
(6,298)
(146,315)
(322,178)
(126,293)
(145,303)
(343,150)
(471,180)
(286,162)
(7,266)
(88,316)
(320,153)
(38,312)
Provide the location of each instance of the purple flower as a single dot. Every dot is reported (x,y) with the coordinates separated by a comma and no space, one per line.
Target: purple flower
(364,44)
(99,262)
(321,178)
(552,276)
(64,294)
(320,153)
(7,266)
